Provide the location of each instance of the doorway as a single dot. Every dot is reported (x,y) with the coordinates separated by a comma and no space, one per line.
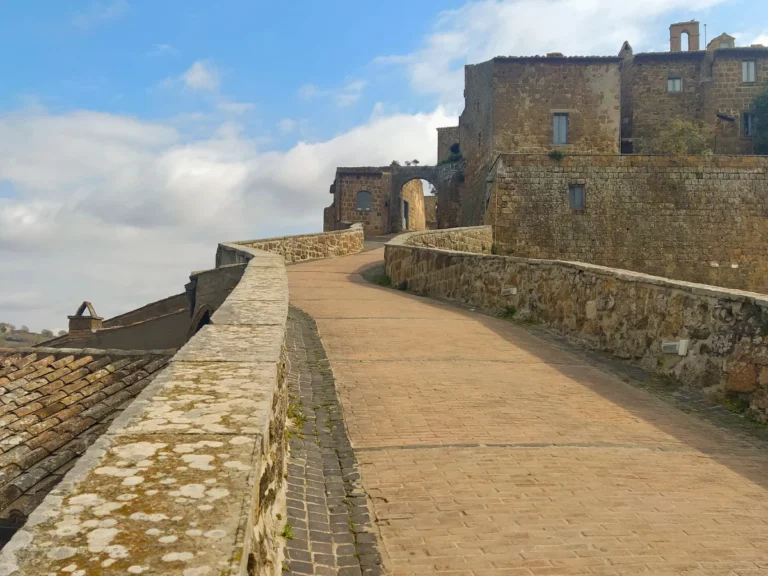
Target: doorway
(406,215)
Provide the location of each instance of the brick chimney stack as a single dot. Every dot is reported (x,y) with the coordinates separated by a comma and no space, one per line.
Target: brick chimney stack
(84,326)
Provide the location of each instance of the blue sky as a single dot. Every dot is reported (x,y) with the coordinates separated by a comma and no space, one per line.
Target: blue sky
(136,134)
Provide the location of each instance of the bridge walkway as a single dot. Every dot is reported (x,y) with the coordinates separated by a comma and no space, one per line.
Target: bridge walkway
(487,451)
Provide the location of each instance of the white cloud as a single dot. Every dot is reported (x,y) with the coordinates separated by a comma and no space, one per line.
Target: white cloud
(761,39)
(100,12)
(118,211)
(349,94)
(236,108)
(286,126)
(201,76)
(345,96)
(481,30)
(163,50)
(308,91)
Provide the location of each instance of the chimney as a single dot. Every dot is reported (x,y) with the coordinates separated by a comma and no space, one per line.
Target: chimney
(676,32)
(80,326)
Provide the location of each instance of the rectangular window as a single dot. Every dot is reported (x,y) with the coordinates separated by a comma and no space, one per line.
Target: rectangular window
(675,85)
(749,124)
(576,196)
(560,129)
(748,71)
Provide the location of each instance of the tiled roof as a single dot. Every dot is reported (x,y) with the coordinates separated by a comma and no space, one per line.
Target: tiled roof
(54,403)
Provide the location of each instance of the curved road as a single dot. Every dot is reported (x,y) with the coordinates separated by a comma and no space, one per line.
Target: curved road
(488,451)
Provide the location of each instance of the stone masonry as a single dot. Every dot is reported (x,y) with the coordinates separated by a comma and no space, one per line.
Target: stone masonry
(625,313)
(701,219)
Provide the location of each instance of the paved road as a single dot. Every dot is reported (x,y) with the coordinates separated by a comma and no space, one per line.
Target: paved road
(487,451)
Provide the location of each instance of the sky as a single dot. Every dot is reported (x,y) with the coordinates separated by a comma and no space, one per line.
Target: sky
(135,134)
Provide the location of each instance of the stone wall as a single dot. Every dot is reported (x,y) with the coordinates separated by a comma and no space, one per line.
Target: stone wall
(728,96)
(713,92)
(430,211)
(297,248)
(624,313)
(476,239)
(413,193)
(701,219)
(476,139)
(189,480)
(348,183)
(446,137)
(653,106)
(529,91)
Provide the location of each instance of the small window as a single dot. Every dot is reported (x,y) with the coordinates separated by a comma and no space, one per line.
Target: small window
(576,197)
(560,129)
(749,124)
(748,71)
(675,85)
(724,44)
(364,201)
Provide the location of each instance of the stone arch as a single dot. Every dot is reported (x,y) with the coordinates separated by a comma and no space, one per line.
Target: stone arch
(676,31)
(202,318)
(445,178)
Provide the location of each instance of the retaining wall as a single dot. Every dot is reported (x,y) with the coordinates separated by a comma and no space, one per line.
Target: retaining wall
(625,313)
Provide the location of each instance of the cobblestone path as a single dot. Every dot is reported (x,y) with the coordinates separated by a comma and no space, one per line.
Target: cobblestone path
(330,528)
(487,450)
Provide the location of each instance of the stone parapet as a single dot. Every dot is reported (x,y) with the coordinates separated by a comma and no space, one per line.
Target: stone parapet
(189,479)
(475,239)
(721,335)
(297,248)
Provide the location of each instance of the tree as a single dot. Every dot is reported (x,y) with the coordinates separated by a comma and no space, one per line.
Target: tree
(683,137)
(760,116)
(23,329)
(415,162)
(62,333)
(47,333)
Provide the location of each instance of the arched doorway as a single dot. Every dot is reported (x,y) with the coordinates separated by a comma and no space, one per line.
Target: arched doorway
(414,196)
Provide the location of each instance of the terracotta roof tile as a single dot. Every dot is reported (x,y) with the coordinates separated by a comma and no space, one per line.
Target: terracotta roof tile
(54,403)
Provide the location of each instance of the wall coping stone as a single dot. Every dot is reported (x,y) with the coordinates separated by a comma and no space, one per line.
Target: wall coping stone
(403,241)
(173,486)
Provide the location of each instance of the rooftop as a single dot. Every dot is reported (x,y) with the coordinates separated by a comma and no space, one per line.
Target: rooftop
(54,403)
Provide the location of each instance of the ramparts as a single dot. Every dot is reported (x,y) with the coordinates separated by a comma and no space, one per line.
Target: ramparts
(719,336)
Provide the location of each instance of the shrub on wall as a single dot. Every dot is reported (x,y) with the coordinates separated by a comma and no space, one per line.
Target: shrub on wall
(683,137)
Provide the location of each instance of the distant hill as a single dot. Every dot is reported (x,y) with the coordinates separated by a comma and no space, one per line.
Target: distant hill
(11,337)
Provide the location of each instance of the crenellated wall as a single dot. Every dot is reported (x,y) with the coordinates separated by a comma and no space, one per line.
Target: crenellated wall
(627,314)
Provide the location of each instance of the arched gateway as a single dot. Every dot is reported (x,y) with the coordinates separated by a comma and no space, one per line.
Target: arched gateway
(391,207)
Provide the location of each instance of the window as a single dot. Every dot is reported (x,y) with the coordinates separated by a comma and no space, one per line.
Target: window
(576,196)
(749,124)
(724,44)
(560,129)
(748,71)
(364,200)
(675,85)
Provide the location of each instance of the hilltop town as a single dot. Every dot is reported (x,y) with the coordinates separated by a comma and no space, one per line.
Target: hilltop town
(556,364)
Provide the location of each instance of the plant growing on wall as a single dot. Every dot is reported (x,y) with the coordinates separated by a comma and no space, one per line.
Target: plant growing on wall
(760,116)
(683,137)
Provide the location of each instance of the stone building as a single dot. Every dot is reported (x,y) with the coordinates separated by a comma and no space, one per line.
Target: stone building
(387,199)
(716,86)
